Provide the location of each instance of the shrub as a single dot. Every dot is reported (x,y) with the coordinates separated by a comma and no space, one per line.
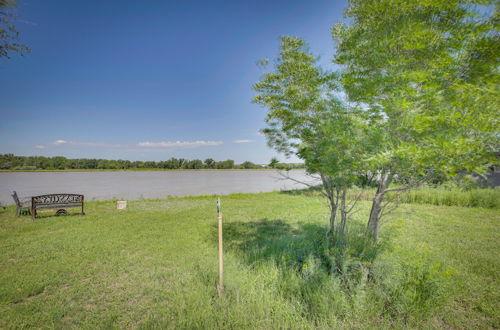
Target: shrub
(334,281)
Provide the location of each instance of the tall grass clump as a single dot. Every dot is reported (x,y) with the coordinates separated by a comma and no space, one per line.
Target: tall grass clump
(441,196)
(341,282)
(478,197)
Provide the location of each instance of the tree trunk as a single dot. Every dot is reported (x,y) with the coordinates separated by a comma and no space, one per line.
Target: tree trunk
(376,210)
(343,213)
(332,200)
(333,214)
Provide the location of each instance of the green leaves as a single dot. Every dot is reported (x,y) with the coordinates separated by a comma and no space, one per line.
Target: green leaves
(9,35)
(421,80)
(306,116)
(427,69)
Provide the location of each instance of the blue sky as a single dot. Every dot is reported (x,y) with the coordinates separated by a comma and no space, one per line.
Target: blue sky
(149,80)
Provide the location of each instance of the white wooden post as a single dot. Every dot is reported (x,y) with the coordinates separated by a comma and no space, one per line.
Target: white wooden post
(220,287)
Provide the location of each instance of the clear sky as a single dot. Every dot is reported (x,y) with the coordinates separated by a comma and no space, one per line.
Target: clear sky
(149,80)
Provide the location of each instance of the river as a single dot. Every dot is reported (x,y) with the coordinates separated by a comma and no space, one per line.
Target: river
(132,185)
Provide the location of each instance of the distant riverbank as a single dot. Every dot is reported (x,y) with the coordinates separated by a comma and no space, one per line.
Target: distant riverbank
(152,169)
(10,162)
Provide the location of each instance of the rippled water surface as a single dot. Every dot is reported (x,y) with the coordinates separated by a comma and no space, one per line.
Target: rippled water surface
(144,184)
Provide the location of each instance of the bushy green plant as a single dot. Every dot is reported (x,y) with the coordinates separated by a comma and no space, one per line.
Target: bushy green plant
(334,278)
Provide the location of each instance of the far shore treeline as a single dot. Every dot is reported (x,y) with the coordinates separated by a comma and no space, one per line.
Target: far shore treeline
(30,163)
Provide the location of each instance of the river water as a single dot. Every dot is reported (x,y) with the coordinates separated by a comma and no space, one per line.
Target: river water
(145,184)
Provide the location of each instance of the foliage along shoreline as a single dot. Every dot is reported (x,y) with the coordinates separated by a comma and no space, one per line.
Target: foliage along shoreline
(13,163)
(146,170)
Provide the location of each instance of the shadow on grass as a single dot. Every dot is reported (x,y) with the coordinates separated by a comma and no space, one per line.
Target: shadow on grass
(294,247)
(273,240)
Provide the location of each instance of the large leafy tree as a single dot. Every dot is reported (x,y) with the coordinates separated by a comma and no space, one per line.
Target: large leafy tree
(9,35)
(426,72)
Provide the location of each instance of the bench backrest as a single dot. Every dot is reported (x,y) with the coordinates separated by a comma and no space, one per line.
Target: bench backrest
(57,199)
(16,199)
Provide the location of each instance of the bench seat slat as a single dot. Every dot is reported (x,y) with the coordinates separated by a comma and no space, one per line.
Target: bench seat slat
(57,206)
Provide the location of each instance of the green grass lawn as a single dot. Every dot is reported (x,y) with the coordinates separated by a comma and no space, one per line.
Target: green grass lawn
(154,265)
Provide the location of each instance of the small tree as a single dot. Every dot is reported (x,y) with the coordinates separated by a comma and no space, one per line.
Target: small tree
(273,163)
(306,118)
(209,163)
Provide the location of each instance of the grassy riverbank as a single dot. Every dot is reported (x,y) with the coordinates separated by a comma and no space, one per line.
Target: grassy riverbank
(154,265)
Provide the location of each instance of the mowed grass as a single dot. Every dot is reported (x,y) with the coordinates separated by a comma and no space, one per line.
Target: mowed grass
(154,265)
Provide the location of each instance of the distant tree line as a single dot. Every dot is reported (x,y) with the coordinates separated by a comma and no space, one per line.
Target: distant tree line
(12,162)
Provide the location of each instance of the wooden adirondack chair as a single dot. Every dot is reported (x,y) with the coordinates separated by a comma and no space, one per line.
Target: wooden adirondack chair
(23,205)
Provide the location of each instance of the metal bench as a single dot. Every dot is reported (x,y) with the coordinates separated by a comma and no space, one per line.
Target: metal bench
(23,205)
(56,201)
